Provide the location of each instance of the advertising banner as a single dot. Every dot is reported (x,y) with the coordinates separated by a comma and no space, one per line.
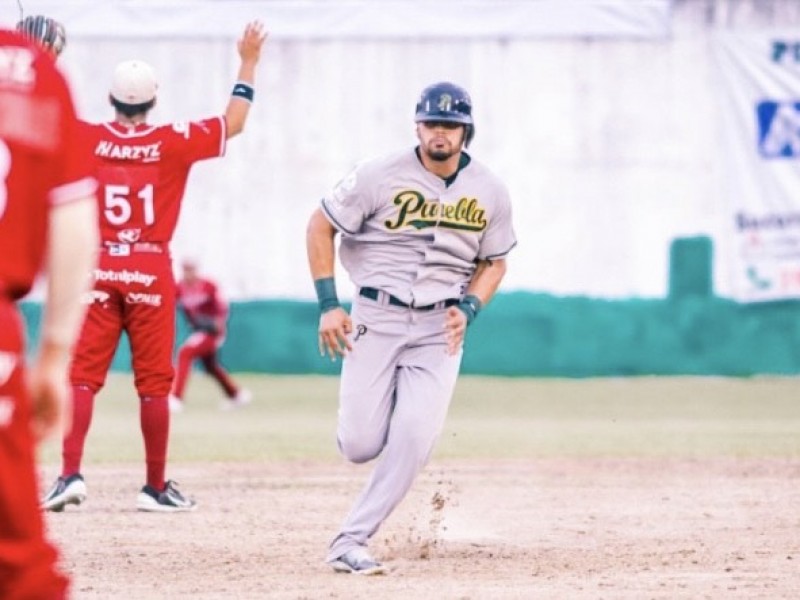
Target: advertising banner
(760,158)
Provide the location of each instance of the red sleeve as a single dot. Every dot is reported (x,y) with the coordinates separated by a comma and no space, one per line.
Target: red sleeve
(74,173)
(199,140)
(220,305)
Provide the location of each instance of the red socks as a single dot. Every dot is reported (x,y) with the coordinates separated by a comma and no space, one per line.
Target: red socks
(72,448)
(154,416)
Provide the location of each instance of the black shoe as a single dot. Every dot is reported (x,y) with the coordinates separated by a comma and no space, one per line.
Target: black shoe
(66,490)
(170,500)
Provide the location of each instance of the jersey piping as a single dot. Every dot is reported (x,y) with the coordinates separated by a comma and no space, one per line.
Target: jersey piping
(463,161)
(333,220)
(129,133)
(500,254)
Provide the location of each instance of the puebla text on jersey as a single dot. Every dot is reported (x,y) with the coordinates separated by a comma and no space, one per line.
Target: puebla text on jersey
(415,235)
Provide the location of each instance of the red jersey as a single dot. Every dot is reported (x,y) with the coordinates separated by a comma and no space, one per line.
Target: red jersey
(41,159)
(143,171)
(201,303)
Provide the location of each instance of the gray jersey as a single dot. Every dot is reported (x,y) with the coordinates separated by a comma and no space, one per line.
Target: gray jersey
(408,233)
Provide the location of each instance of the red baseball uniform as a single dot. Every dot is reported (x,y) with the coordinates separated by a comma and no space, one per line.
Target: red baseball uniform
(203,306)
(39,167)
(142,173)
(207,314)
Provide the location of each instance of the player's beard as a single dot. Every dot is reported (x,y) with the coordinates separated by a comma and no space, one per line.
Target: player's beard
(440,154)
(440,149)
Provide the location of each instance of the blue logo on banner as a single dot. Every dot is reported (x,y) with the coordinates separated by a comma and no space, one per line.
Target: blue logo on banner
(778,129)
(785,51)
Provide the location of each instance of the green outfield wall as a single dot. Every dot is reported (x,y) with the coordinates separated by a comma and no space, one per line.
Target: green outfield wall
(523,334)
(691,332)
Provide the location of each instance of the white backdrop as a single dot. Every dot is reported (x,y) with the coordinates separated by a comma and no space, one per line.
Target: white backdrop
(607,140)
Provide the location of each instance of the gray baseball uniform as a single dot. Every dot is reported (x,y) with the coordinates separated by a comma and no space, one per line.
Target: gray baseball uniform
(409,241)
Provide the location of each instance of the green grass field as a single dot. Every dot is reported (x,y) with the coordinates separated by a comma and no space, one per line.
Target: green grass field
(294,418)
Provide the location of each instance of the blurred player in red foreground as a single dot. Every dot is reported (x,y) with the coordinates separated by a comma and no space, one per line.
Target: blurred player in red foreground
(48,217)
(206,311)
(142,170)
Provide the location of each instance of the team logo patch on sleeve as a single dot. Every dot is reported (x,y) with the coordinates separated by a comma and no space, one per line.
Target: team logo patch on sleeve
(182,128)
(343,188)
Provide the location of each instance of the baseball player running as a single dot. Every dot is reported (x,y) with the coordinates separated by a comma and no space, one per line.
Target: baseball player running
(142,170)
(206,311)
(424,235)
(47,219)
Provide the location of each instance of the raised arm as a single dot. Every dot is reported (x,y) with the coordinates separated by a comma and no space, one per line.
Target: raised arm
(249,47)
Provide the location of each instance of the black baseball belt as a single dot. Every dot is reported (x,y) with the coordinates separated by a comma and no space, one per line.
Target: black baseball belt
(375,294)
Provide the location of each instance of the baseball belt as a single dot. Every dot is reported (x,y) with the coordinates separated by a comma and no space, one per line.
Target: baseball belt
(375,294)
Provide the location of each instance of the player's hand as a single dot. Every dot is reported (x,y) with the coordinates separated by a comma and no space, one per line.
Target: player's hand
(334,325)
(455,325)
(49,393)
(249,46)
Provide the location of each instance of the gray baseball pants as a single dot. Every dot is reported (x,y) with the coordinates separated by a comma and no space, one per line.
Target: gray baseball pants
(395,390)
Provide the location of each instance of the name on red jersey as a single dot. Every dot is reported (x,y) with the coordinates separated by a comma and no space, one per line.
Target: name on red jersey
(16,66)
(26,119)
(147,152)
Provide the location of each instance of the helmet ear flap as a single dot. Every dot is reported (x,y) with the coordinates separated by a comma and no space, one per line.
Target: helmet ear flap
(469,133)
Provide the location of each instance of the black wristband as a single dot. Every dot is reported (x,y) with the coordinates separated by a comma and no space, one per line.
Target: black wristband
(243,90)
(326,293)
(470,305)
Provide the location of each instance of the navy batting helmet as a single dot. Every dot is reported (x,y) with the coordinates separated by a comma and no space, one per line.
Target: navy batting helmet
(44,31)
(447,102)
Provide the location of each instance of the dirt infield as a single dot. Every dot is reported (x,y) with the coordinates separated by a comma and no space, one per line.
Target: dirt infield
(545,528)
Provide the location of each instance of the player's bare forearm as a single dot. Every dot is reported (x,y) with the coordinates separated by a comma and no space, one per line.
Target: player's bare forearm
(249,47)
(49,391)
(71,253)
(486,279)
(334,322)
(320,235)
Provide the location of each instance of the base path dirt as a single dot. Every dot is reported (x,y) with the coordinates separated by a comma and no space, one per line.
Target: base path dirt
(543,528)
